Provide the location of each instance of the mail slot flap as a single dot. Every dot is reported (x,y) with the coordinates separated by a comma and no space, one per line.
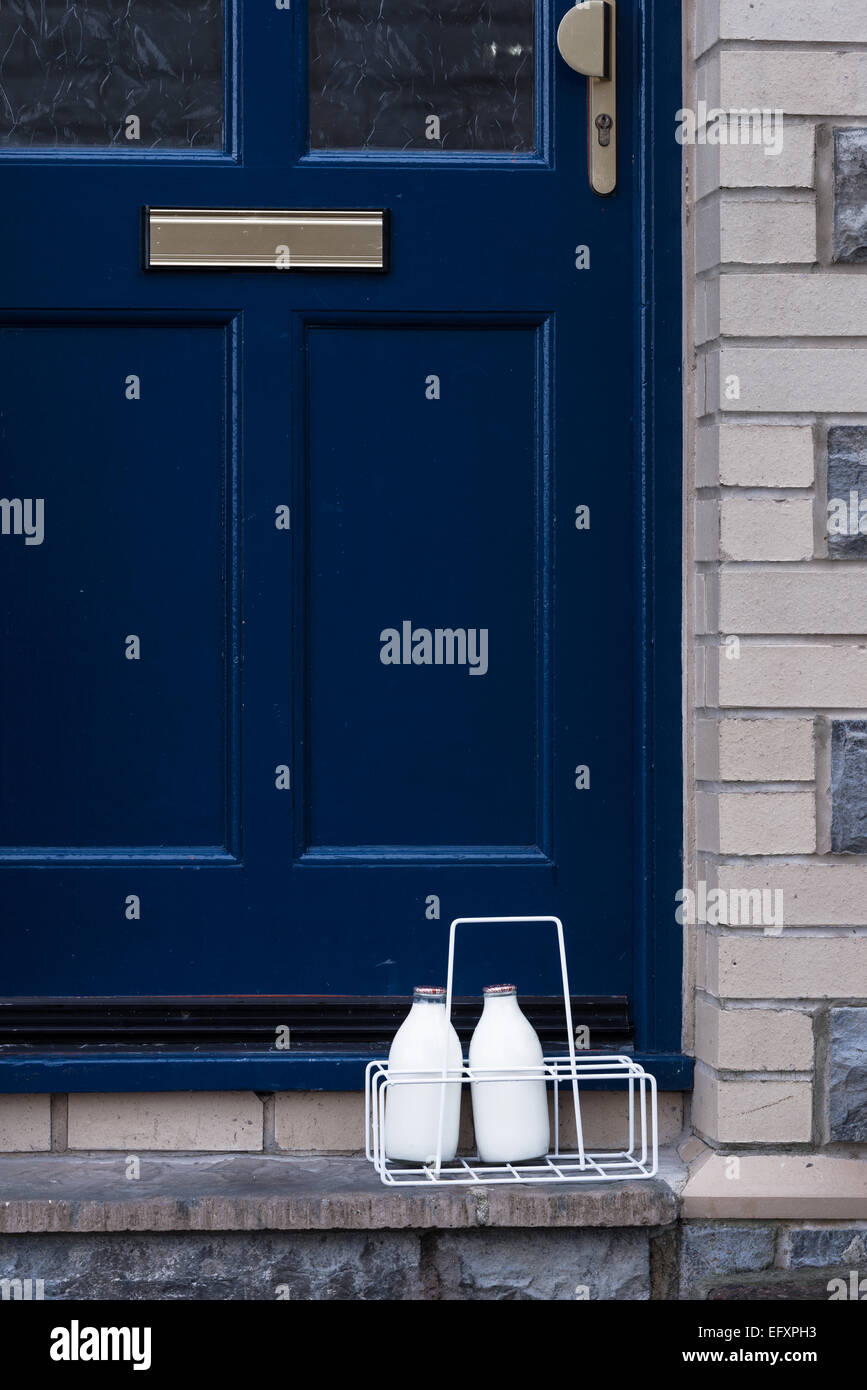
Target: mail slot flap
(263,239)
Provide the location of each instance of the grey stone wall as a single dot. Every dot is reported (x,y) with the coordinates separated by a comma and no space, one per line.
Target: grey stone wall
(847,1075)
(850,195)
(849,785)
(305,1266)
(693,1261)
(847,474)
(721,1261)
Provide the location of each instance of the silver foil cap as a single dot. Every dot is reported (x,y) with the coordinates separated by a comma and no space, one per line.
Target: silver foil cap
(429,994)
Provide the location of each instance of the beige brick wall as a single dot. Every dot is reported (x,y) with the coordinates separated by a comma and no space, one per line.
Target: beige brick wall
(755,456)
(752,1112)
(732,1038)
(775,354)
(842,20)
(755,750)
(241,1122)
(25,1124)
(193,1121)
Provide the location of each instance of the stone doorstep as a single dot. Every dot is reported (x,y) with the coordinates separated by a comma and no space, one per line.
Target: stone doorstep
(241,1192)
(793,1187)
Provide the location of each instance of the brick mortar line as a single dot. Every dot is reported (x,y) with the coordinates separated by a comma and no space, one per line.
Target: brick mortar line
(708,1069)
(783,419)
(59,1122)
(719,932)
(756,716)
(705,711)
(822,768)
(798,1078)
(761,270)
(786,342)
(822,1087)
(782,46)
(758,193)
(269,1121)
(799,120)
(734,1004)
(731,1148)
(755,492)
(820,564)
(825,181)
(789,640)
(769,192)
(793,860)
(779,712)
(784,640)
(714,786)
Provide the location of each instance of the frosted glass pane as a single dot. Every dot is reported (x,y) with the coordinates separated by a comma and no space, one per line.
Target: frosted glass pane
(130,74)
(435,75)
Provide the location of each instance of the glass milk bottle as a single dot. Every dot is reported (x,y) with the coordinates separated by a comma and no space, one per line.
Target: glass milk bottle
(412,1112)
(510,1117)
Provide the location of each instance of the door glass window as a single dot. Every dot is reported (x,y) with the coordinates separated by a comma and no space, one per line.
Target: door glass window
(443,75)
(131,74)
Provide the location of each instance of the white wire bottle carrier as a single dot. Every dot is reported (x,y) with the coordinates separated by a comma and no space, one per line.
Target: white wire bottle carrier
(638,1160)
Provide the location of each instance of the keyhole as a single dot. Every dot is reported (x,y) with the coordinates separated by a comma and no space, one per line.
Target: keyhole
(603,125)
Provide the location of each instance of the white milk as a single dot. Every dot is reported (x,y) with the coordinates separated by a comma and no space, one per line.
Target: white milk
(412,1112)
(511,1117)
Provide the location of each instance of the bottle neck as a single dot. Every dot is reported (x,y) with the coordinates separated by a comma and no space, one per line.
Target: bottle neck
(501,1003)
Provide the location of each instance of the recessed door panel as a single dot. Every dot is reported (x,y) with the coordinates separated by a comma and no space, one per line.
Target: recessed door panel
(114,657)
(425,638)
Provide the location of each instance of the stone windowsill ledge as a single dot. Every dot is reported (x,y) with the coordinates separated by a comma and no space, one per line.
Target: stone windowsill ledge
(73,1193)
(241,1192)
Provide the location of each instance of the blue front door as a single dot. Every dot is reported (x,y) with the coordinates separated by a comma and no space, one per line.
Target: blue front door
(326,591)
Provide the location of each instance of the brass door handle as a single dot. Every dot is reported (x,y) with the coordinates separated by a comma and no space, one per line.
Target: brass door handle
(587,41)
